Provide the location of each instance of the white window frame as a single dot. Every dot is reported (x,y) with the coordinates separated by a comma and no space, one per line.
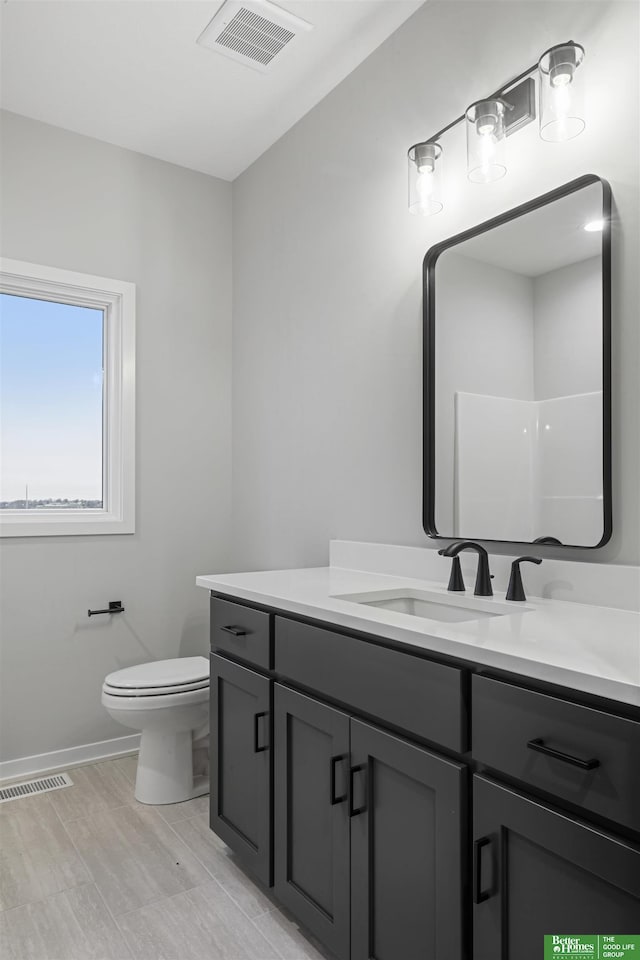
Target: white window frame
(117,299)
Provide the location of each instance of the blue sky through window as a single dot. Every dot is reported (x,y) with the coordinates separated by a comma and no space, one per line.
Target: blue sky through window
(50,400)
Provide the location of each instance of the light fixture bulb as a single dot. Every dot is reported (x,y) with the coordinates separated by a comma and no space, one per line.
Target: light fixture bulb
(487,152)
(594,226)
(425,184)
(562,79)
(486,124)
(486,133)
(425,174)
(562,107)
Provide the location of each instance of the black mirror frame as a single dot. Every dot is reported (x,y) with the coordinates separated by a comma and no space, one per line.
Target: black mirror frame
(429,333)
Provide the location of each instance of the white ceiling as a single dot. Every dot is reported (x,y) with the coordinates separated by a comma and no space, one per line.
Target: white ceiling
(545,239)
(130,72)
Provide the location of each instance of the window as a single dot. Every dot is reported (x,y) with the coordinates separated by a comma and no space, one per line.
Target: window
(67,344)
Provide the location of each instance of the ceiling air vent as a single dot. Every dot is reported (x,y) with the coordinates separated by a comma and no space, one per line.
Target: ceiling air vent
(254,33)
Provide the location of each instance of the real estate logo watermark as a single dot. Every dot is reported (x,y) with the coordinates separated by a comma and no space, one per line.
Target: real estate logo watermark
(595,947)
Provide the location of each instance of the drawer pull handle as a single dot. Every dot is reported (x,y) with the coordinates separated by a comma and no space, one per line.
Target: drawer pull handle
(540,747)
(256,733)
(359,768)
(332,789)
(479,895)
(234,631)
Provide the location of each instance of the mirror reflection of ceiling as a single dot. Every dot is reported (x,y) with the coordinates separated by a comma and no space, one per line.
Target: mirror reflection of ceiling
(548,238)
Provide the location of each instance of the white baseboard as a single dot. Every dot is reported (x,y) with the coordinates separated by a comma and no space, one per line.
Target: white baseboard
(71,757)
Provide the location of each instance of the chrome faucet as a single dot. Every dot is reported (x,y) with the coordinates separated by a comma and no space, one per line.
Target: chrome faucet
(483,577)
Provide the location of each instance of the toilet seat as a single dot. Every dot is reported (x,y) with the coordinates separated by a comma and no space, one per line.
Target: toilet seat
(132,702)
(153,691)
(159,678)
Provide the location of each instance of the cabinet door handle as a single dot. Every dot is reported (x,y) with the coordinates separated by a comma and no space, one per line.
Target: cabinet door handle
(479,895)
(540,747)
(234,631)
(359,768)
(332,777)
(256,735)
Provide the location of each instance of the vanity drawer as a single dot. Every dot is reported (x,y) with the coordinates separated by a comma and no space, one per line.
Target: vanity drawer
(516,730)
(241,631)
(417,695)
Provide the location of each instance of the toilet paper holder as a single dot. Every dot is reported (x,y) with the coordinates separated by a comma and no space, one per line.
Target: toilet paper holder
(115,606)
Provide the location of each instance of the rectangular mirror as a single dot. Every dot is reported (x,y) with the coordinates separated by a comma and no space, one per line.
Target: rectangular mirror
(517,436)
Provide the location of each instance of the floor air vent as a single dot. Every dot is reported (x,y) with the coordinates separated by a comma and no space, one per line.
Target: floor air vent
(30,787)
(253,33)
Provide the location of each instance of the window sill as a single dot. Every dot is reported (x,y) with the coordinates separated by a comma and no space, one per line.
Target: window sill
(63,523)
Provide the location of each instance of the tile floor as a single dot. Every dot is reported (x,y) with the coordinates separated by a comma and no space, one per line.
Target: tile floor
(87,873)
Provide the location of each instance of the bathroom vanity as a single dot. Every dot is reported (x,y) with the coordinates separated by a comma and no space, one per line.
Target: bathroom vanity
(425,775)
(419,788)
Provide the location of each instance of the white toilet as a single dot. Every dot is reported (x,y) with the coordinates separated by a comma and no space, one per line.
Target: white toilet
(168,700)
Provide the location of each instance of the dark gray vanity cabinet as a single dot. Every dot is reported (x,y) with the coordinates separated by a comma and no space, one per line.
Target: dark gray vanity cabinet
(538,871)
(408,692)
(407,808)
(576,753)
(311,836)
(406,849)
(240,759)
(367,836)
(241,632)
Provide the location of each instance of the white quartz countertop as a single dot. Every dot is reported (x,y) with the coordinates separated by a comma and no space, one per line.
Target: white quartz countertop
(589,648)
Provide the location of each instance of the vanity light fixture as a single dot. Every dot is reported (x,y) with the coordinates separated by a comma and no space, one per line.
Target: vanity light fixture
(491,120)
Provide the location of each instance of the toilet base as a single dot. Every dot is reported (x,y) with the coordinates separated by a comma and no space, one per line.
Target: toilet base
(165,768)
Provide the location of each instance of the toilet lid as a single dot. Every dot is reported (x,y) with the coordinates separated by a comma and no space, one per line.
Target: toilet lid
(161,674)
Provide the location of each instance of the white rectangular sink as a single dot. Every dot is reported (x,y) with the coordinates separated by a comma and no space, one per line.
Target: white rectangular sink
(430,605)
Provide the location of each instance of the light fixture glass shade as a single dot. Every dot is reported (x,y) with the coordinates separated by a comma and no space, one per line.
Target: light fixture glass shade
(486,141)
(561,92)
(425,178)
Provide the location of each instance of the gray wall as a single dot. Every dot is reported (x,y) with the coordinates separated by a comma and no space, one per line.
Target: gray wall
(75,203)
(327,388)
(568,330)
(484,345)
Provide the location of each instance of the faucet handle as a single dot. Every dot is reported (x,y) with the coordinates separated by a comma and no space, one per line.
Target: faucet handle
(515,590)
(456,581)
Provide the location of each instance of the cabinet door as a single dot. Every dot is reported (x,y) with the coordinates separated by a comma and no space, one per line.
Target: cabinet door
(311,815)
(406,850)
(241,763)
(537,872)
